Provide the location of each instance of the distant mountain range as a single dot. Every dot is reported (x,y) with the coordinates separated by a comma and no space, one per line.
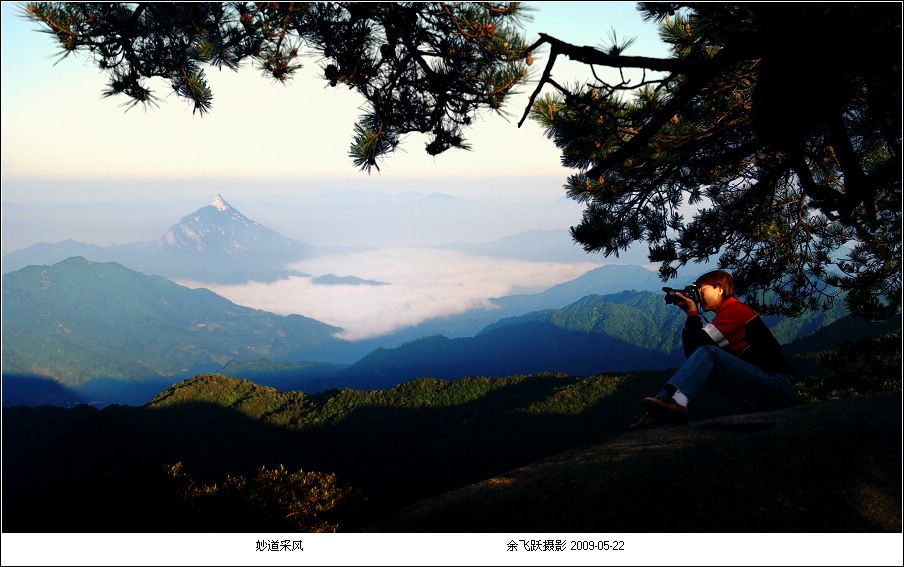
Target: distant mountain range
(215,244)
(105,330)
(602,281)
(79,320)
(533,246)
(625,331)
(543,246)
(629,330)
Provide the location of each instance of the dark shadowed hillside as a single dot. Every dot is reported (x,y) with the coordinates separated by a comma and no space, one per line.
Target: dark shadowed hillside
(396,446)
(834,465)
(829,467)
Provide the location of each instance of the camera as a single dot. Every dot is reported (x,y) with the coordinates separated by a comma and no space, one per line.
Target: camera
(690,291)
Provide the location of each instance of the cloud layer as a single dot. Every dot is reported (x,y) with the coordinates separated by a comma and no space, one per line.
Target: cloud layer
(425,283)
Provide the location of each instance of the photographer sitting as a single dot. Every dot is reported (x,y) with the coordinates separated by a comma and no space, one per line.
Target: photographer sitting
(736,354)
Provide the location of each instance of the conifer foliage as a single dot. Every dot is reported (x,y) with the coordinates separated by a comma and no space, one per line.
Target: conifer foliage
(421,66)
(779,123)
(770,138)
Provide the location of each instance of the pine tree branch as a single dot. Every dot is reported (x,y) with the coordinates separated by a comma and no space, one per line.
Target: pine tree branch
(594,56)
(696,81)
(857,190)
(553,53)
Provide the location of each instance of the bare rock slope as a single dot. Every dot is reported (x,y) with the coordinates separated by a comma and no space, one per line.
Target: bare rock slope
(827,467)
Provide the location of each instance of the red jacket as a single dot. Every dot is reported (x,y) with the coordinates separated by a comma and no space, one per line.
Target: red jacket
(738,329)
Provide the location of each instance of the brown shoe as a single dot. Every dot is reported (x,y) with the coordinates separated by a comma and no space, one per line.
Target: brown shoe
(665,410)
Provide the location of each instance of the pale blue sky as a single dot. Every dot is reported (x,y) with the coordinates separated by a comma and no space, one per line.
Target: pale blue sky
(77,165)
(57,128)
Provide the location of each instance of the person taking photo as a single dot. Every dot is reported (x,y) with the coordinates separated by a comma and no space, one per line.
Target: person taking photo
(736,355)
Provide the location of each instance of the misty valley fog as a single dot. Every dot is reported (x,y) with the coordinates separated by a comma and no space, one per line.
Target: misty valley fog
(437,254)
(424,283)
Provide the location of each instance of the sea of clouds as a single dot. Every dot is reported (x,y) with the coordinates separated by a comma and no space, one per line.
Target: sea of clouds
(424,283)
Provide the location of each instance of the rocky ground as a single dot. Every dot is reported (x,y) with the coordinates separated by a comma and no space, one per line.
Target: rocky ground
(833,466)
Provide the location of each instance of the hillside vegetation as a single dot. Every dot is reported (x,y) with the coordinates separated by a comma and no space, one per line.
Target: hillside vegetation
(392,447)
(94,327)
(79,320)
(224,454)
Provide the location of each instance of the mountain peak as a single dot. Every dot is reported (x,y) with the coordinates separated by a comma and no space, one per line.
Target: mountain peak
(219,228)
(220,203)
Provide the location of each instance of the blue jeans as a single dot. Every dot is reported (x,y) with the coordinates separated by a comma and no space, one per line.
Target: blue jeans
(726,373)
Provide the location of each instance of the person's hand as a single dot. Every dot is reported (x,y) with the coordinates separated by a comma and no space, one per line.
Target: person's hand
(686,304)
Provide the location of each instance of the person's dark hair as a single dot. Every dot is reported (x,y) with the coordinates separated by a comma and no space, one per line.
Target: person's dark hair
(718,278)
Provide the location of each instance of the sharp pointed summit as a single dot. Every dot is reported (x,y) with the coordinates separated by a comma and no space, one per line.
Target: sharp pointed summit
(221,229)
(214,244)
(220,204)
(218,227)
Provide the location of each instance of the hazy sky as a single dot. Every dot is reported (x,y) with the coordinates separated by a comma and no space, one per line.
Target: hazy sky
(57,127)
(76,165)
